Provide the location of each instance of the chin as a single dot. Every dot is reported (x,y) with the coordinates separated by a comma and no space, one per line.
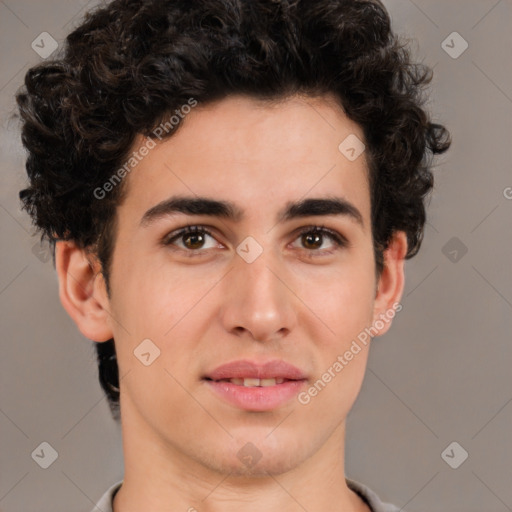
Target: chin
(256,459)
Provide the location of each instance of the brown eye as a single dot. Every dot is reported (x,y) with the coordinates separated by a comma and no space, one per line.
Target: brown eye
(312,240)
(193,240)
(189,239)
(313,237)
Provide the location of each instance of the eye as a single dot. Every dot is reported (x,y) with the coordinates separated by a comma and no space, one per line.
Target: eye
(192,239)
(312,238)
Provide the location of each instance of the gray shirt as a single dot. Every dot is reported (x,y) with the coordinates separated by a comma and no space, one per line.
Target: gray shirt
(367,495)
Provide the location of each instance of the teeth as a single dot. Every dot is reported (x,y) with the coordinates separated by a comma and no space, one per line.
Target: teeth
(251,382)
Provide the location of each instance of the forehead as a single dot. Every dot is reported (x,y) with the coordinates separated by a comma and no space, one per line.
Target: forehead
(259,155)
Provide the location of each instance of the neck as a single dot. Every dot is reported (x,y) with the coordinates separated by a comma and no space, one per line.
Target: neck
(160,477)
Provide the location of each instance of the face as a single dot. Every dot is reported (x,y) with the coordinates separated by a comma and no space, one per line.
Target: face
(254,286)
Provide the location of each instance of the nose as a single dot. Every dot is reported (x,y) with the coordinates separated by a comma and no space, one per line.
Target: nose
(259,304)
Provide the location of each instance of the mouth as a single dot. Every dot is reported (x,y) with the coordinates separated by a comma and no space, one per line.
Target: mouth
(251,386)
(250,382)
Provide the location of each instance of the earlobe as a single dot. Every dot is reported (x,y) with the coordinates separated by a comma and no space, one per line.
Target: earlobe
(82,291)
(390,284)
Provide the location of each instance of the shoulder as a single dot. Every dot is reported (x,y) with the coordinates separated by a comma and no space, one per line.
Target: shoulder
(105,502)
(371,499)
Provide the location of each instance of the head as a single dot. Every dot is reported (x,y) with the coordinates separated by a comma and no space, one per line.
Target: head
(240,102)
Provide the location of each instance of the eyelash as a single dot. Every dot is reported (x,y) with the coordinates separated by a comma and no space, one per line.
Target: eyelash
(339,240)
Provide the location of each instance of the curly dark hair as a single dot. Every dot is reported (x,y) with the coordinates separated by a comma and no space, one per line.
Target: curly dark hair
(132,63)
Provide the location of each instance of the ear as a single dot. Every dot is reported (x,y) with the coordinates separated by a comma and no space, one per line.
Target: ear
(82,291)
(390,284)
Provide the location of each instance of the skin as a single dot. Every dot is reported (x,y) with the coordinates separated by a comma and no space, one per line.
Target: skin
(294,302)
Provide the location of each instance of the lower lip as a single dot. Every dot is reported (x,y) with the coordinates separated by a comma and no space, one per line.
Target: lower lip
(257,398)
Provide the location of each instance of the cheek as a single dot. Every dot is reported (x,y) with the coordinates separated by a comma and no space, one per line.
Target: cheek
(156,304)
(344,307)
(343,302)
(341,297)
(152,295)
(165,305)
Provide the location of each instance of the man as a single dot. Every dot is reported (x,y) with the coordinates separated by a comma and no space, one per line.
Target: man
(232,188)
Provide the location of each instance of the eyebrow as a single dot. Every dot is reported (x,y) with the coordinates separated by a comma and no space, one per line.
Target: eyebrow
(229,211)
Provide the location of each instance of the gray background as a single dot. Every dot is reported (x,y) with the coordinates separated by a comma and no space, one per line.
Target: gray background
(442,373)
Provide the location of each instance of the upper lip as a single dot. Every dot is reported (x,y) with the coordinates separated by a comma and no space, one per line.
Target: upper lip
(252,370)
